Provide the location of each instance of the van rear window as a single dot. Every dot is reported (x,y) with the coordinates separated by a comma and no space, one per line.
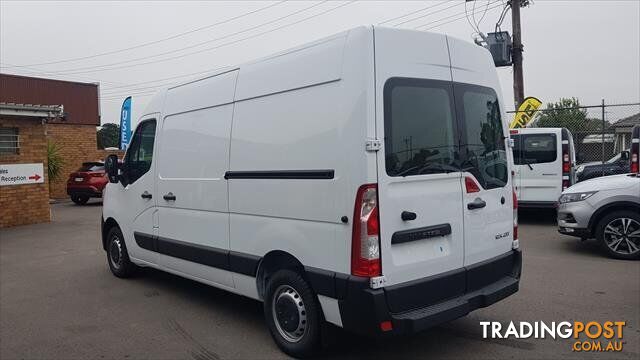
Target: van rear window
(534,148)
(419,127)
(484,144)
(421,130)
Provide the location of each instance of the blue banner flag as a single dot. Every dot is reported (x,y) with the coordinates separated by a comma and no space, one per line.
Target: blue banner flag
(125,123)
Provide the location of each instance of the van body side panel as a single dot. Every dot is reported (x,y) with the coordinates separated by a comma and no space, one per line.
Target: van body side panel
(193,158)
(313,64)
(436,199)
(311,120)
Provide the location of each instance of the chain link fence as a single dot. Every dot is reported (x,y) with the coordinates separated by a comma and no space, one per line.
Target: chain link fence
(600,132)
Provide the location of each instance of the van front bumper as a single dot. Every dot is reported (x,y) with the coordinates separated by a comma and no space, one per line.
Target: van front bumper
(413,307)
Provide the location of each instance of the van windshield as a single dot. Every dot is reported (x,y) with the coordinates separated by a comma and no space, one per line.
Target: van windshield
(421,130)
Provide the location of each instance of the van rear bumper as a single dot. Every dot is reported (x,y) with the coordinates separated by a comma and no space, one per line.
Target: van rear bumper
(363,309)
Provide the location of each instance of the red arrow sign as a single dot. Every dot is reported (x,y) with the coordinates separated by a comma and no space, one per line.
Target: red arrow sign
(35,177)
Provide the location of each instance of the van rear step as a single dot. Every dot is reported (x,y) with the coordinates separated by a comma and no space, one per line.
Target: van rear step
(374,312)
(421,319)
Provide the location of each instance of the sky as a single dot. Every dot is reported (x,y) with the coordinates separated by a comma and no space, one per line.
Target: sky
(584,49)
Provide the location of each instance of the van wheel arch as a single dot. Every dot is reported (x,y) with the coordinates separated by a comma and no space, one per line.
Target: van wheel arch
(271,263)
(107,225)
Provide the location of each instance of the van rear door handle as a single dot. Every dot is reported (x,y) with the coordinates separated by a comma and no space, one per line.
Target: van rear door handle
(146,195)
(408,215)
(169,197)
(476,204)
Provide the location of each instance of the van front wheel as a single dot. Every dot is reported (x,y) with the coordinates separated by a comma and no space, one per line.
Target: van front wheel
(292,314)
(117,255)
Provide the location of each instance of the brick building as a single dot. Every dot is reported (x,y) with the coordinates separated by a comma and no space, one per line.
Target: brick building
(73,131)
(23,141)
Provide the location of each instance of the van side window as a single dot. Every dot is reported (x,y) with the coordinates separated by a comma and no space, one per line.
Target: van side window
(534,148)
(484,151)
(140,153)
(419,127)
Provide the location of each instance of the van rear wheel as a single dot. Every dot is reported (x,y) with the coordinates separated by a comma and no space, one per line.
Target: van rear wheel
(117,255)
(293,314)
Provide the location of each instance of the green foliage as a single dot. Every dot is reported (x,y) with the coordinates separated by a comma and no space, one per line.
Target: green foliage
(109,136)
(55,161)
(567,113)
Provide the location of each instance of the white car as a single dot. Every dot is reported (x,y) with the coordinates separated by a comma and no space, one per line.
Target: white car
(340,181)
(607,209)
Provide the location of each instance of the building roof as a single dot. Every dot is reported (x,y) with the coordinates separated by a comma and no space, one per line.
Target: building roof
(31,110)
(80,100)
(627,122)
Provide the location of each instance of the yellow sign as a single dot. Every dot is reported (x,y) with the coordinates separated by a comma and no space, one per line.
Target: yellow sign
(525,113)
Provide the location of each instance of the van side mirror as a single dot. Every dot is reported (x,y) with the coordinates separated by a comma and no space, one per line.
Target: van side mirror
(111,168)
(624,156)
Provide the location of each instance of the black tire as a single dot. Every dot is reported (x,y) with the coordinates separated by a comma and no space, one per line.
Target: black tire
(625,250)
(117,255)
(282,288)
(79,199)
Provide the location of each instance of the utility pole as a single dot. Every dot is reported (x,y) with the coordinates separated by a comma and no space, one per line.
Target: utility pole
(518,82)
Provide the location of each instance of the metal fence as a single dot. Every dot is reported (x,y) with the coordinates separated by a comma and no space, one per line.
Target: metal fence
(600,132)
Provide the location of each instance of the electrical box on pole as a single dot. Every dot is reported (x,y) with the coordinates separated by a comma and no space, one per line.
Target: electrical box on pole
(499,45)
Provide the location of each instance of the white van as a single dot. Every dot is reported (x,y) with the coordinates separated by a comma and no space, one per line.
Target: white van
(545,163)
(362,180)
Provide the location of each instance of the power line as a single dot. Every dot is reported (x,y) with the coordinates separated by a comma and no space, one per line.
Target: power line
(110,65)
(433,22)
(425,15)
(152,42)
(464,15)
(226,44)
(414,12)
(450,21)
(283,26)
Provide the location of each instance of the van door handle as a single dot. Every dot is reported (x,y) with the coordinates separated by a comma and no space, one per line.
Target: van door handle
(476,204)
(146,195)
(408,215)
(169,197)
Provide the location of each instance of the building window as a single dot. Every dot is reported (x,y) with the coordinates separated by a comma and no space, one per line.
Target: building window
(9,141)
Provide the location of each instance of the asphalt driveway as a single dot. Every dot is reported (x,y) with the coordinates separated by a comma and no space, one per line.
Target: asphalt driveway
(59,300)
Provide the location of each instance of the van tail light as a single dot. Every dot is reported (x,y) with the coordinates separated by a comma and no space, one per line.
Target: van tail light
(635,154)
(365,244)
(515,243)
(471,185)
(566,165)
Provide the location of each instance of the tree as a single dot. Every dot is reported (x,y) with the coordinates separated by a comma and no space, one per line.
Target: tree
(109,136)
(55,161)
(567,113)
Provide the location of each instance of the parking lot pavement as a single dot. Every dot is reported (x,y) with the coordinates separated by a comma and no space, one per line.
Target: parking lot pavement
(59,300)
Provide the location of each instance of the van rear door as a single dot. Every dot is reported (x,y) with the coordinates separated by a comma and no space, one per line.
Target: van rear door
(417,174)
(540,165)
(488,196)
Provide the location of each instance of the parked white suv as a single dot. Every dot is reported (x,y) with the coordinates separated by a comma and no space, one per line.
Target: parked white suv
(607,209)
(362,180)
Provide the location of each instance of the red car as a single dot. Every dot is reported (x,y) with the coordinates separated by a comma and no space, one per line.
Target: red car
(87,182)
